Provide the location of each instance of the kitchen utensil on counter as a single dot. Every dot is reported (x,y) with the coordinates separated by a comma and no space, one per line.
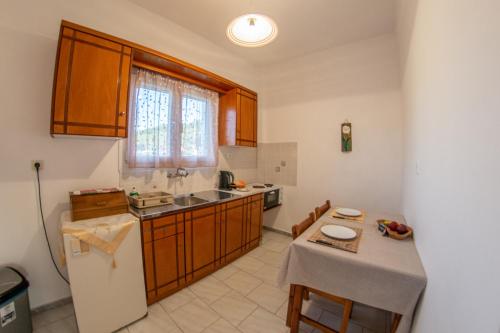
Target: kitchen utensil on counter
(226,180)
(151,199)
(258,186)
(243,189)
(269,185)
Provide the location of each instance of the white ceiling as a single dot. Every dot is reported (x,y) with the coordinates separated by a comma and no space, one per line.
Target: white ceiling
(304,26)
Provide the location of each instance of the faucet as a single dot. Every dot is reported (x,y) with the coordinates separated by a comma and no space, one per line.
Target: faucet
(181,172)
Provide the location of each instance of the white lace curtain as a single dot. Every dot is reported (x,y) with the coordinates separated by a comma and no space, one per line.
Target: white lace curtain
(172,123)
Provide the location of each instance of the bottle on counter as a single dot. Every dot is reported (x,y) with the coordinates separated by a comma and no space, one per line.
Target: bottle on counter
(134,192)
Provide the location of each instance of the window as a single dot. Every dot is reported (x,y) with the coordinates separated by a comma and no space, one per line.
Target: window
(172,123)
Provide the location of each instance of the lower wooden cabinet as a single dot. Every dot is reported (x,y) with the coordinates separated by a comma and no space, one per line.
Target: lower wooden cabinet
(182,248)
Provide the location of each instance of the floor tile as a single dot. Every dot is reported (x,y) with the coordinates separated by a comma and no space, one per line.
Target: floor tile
(272,258)
(52,315)
(243,282)
(221,326)
(268,274)
(66,325)
(248,264)
(157,321)
(309,308)
(175,301)
(257,252)
(277,236)
(275,245)
(225,272)
(369,317)
(262,321)
(268,297)
(234,307)
(331,320)
(194,317)
(209,289)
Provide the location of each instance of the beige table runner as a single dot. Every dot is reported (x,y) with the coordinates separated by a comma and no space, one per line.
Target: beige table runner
(385,273)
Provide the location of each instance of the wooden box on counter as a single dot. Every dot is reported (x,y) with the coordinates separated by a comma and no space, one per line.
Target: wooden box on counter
(88,206)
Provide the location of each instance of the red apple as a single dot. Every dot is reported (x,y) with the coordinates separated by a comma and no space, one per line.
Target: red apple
(402,229)
(393,226)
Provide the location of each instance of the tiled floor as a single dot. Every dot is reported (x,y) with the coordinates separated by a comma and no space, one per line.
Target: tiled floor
(242,297)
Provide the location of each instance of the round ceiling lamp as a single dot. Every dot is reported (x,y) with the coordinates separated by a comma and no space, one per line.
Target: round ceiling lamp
(252,30)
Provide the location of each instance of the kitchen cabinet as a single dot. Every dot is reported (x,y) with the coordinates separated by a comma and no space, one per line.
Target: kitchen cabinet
(238,118)
(200,250)
(163,255)
(91,80)
(234,223)
(254,220)
(181,248)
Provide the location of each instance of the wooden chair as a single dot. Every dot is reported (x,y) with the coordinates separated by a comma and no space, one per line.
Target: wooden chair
(322,209)
(298,292)
(298,229)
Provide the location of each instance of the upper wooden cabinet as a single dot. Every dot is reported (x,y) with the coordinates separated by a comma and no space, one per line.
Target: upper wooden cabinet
(91,85)
(238,118)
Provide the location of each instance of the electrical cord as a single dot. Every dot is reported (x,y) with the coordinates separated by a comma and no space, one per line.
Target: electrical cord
(37,168)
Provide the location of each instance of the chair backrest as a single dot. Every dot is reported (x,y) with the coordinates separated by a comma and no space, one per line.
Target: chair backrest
(322,209)
(298,229)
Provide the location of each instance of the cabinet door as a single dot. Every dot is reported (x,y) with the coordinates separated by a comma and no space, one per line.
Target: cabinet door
(255,219)
(149,273)
(200,242)
(247,121)
(234,228)
(91,86)
(163,248)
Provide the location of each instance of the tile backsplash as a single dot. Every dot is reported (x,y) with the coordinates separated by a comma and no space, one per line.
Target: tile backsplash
(277,163)
(241,161)
(268,163)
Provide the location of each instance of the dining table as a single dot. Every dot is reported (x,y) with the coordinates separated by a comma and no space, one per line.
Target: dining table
(384,273)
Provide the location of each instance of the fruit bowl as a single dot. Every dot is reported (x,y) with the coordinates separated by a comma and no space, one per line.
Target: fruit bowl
(394,233)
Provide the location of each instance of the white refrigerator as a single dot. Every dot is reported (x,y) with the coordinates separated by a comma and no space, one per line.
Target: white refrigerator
(108,289)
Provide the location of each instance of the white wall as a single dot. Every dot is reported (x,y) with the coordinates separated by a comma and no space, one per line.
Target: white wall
(451,84)
(28,35)
(306,100)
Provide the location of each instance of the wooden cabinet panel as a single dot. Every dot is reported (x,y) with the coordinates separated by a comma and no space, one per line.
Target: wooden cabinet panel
(91,86)
(201,241)
(255,218)
(149,267)
(165,260)
(234,224)
(238,118)
(247,121)
(163,253)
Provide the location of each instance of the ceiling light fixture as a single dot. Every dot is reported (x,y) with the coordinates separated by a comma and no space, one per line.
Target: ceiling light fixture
(252,30)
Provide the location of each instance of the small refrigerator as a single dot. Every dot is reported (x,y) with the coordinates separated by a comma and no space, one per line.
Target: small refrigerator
(104,260)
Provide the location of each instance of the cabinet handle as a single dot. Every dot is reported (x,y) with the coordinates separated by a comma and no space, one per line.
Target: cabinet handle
(101,203)
(121,114)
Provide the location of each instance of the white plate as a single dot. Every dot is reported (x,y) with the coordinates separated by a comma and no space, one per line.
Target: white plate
(338,232)
(348,212)
(243,189)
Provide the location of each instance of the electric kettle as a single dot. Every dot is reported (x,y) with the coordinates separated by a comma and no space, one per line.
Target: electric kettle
(226,180)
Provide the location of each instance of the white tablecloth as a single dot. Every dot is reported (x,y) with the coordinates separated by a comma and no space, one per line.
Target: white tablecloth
(385,273)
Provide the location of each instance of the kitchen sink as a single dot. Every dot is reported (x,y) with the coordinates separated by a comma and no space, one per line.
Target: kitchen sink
(189,200)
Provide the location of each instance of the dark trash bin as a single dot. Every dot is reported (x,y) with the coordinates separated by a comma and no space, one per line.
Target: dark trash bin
(15,313)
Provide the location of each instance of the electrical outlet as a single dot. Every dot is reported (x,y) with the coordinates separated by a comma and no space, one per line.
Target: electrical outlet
(36,161)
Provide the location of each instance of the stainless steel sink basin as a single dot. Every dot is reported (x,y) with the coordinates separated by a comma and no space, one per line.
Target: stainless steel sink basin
(189,201)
